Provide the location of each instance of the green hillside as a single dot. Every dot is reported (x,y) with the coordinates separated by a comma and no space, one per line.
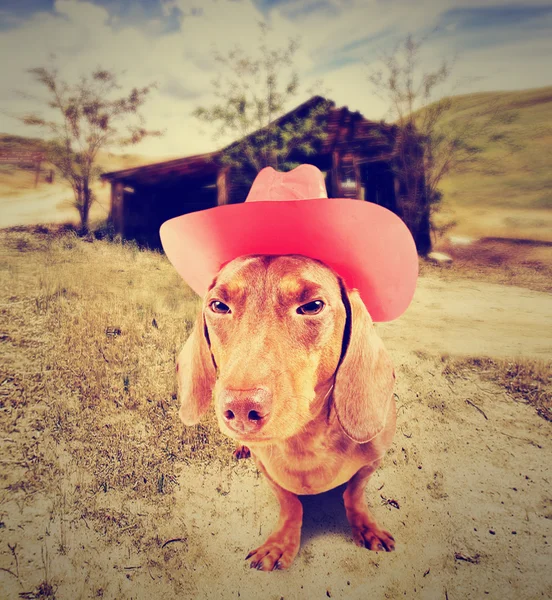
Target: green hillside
(512,198)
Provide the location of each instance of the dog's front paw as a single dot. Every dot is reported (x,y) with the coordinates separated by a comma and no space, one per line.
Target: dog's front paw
(278,552)
(241,452)
(367,534)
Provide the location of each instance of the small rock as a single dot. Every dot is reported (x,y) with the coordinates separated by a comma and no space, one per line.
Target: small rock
(439,258)
(461,240)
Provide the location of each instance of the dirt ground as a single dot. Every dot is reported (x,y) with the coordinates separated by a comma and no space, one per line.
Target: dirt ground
(466,489)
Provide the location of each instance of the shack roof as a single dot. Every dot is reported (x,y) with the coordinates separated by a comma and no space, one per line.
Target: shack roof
(343,128)
(190,165)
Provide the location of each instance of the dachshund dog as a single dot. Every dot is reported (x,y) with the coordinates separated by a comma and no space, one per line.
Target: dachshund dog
(301,379)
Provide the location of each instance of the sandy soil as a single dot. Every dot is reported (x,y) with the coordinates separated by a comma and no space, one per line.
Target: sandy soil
(472,515)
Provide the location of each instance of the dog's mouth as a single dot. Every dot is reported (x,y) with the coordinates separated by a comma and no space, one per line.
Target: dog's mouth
(254,440)
(249,438)
(255,434)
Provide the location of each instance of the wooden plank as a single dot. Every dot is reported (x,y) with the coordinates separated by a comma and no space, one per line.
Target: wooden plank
(222,185)
(336,188)
(117,206)
(356,167)
(180,165)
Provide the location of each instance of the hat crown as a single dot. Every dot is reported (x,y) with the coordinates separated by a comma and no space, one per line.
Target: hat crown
(303,182)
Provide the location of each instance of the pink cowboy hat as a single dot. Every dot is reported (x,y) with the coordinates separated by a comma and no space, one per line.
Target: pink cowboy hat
(289,213)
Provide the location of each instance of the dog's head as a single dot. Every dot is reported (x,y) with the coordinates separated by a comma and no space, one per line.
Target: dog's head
(273,336)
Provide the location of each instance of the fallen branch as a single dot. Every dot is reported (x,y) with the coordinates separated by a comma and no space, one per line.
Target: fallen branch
(468,401)
(13,550)
(515,437)
(103,355)
(8,571)
(173,540)
(471,559)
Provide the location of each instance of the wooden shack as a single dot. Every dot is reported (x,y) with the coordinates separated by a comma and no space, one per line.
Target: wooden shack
(357,158)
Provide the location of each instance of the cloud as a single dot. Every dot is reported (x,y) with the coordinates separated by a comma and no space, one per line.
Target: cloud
(82,13)
(171,43)
(177,89)
(168,7)
(492,17)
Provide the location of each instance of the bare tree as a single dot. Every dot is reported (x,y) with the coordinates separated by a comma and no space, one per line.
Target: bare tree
(431,141)
(84,118)
(252,92)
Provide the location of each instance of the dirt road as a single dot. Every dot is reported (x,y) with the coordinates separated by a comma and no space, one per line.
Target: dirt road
(472,318)
(48,204)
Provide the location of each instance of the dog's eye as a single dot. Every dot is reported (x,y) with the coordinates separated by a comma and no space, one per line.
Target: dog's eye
(312,308)
(219,307)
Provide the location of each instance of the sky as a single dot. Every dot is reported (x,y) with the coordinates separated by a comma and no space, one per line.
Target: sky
(494,45)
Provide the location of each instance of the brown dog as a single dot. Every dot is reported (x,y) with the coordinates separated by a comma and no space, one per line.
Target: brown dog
(300,376)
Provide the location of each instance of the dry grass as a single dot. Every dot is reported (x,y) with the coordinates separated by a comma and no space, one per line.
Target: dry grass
(88,411)
(92,329)
(525,380)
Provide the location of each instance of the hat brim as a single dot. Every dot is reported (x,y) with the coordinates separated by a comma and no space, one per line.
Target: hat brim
(368,246)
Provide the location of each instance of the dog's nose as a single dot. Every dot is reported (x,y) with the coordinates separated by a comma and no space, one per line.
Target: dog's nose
(246,411)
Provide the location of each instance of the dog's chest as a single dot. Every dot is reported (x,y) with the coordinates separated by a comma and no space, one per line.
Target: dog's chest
(313,465)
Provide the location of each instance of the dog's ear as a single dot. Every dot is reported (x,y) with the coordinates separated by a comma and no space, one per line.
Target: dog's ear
(365,378)
(196,374)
